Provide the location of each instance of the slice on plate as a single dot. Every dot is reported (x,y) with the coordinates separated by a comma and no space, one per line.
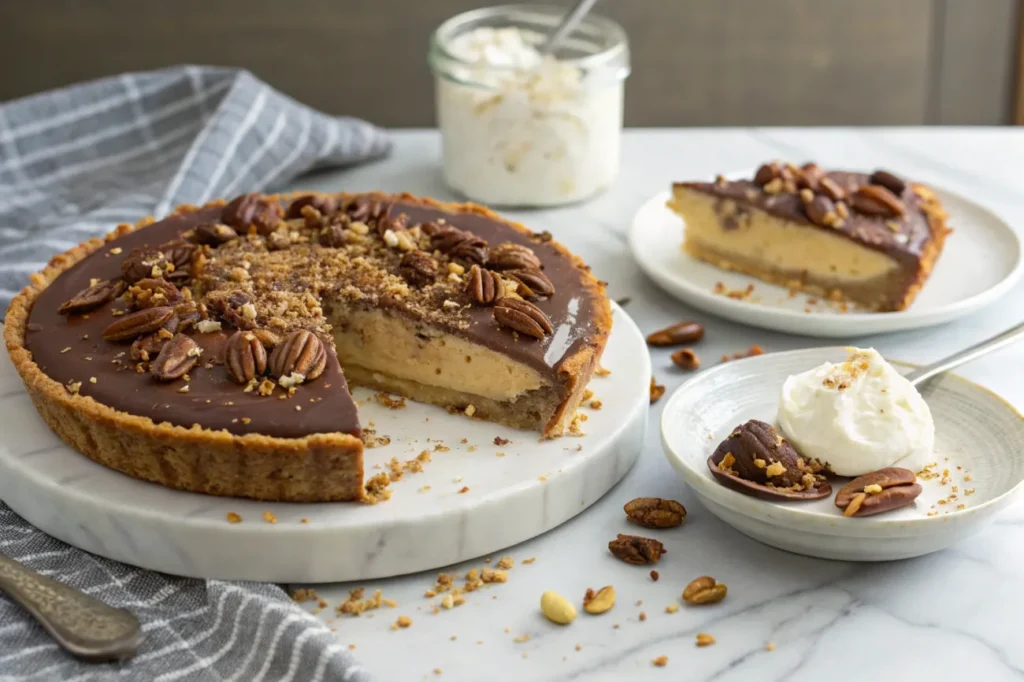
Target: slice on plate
(208,351)
(868,239)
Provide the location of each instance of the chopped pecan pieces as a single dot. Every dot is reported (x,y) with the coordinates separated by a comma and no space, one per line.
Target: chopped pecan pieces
(301,352)
(245,358)
(325,204)
(136,324)
(213,234)
(677,334)
(234,307)
(93,297)
(654,512)
(149,293)
(176,358)
(332,236)
(523,317)
(418,268)
(484,286)
(634,549)
(252,209)
(143,263)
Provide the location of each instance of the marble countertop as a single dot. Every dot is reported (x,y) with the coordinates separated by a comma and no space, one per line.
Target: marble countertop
(950,615)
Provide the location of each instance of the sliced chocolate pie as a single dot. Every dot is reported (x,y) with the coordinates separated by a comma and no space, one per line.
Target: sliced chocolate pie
(209,351)
(871,239)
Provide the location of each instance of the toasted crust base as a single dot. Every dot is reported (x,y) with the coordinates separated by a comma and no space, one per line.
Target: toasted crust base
(317,468)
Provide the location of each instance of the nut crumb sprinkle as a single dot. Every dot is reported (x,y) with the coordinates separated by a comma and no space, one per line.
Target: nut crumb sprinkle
(234,518)
(269,517)
(660,661)
(704,639)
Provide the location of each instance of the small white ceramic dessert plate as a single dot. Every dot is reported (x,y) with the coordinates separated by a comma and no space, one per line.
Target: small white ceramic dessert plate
(513,491)
(979,439)
(981,261)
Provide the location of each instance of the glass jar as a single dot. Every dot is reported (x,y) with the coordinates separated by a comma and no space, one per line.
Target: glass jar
(523,130)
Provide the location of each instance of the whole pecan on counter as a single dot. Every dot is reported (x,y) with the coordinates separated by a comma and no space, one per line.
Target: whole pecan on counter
(755,460)
(655,512)
(878,492)
(677,334)
(634,549)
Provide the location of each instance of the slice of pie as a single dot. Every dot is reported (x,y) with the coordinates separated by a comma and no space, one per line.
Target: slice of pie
(871,239)
(210,351)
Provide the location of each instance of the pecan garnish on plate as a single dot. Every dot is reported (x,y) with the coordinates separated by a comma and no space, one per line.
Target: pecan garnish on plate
(879,491)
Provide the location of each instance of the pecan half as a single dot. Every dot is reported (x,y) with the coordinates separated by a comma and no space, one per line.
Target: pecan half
(704,590)
(332,236)
(523,317)
(139,323)
(418,268)
(890,181)
(212,234)
(245,358)
(686,358)
(634,549)
(754,459)
(389,221)
(879,491)
(532,282)
(325,204)
(142,263)
(177,357)
(92,296)
(278,241)
(832,189)
(877,200)
(235,307)
(511,256)
(654,512)
(459,244)
(301,352)
(677,334)
(150,293)
(252,209)
(657,390)
(809,176)
(147,347)
(363,209)
(268,338)
(766,173)
(484,286)
(179,253)
(822,211)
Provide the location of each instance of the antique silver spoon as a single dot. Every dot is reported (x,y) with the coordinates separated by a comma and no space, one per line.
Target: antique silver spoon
(966,355)
(82,625)
(568,24)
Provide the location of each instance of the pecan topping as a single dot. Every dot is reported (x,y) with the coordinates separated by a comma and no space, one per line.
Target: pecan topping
(245,358)
(459,244)
(891,182)
(177,357)
(484,286)
(386,221)
(879,491)
(213,234)
(145,348)
(268,338)
(634,549)
(418,268)
(278,241)
(831,189)
(511,256)
(809,176)
(822,211)
(654,512)
(301,352)
(252,209)
(877,200)
(757,461)
(363,209)
(149,293)
(326,205)
(236,308)
(532,282)
(179,253)
(766,173)
(143,263)
(677,334)
(93,297)
(139,323)
(523,317)
(332,236)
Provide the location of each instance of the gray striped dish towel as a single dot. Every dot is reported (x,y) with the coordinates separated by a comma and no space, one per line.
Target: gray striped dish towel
(74,163)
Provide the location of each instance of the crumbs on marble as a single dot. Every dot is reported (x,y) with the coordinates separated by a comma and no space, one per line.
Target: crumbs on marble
(269,517)
(389,401)
(356,605)
(401,622)
(234,518)
(660,661)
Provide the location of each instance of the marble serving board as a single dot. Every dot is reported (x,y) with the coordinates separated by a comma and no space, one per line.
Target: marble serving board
(475,493)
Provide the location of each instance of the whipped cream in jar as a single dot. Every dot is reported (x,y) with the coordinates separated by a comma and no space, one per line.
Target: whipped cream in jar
(524,129)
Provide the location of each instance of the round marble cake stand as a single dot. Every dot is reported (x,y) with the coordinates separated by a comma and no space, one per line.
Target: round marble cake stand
(512,492)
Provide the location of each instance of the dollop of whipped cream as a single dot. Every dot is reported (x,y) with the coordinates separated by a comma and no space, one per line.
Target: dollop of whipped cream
(857,416)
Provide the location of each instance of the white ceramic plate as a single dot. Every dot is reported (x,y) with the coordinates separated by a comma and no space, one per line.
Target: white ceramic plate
(979,439)
(981,262)
(515,491)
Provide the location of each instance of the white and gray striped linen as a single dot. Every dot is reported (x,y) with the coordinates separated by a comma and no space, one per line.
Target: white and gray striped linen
(73,163)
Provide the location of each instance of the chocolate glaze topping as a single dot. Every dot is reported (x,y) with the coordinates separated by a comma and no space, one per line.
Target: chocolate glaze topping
(905,243)
(71,349)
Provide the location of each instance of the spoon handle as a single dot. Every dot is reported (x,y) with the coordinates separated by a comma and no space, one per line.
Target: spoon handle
(966,355)
(83,625)
(569,23)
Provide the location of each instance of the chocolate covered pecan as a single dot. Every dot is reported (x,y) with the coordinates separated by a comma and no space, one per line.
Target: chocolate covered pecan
(93,296)
(879,491)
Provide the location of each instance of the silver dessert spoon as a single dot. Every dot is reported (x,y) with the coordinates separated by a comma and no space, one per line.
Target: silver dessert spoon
(568,24)
(966,355)
(84,626)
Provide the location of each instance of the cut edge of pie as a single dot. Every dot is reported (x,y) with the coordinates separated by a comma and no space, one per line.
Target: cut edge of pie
(313,468)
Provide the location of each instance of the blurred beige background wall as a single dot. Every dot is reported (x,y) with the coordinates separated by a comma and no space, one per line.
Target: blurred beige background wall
(695,62)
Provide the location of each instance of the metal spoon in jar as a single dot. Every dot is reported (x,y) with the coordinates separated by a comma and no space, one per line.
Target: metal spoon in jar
(568,24)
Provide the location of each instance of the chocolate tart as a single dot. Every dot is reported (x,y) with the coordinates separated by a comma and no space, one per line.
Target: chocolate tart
(212,350)
(871,239)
